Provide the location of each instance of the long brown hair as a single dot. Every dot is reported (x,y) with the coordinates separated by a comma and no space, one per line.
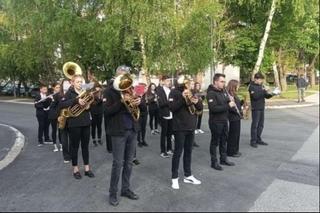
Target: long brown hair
(232,87)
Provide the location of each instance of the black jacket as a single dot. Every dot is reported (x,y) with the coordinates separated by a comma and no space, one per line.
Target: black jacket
(163,102)
(233,114)
(143,106)
(257,96)
(69,100)
(182,119)
(152,101)
(218,103)
(115,111)
(97,106)
(41,106)
(54,107)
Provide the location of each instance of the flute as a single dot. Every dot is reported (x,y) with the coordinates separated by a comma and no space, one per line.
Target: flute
(232,99)
(44,99)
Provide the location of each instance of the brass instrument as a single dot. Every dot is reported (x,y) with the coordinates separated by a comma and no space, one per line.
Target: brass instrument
(123,83)
(70,69)
(183,80)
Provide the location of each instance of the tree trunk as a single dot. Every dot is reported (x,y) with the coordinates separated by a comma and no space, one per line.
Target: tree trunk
(276,75)
(283,79)
(311,71)
(264,39)
(144,59)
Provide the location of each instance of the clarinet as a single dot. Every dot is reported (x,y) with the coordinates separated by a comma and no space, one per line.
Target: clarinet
(232,99)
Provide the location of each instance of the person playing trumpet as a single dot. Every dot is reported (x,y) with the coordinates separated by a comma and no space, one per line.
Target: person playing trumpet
(184,123)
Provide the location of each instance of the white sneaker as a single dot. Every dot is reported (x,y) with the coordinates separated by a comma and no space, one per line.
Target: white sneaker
(66,161)
(170,152)
(153,132)
(200,131)
(61,148)
(192,179)
(175,183)
(164,155)
(196,131)
(55,148)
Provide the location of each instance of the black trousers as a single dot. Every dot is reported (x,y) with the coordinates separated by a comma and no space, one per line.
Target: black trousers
(143,126)
(166,133)
(233,137)
(219,136)
(96,124)
(257,125)
(183,143)
(124,148)
(108,137)
(199,121)
(43,129)
(80,135)
(154,118)
(54,128)
(64,136)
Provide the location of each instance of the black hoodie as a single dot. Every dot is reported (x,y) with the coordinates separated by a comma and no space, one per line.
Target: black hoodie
(218,103)
(257,96)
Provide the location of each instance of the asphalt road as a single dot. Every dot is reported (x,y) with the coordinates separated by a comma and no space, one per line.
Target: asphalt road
(39,181)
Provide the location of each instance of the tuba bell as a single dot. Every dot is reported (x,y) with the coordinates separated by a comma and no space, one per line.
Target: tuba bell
(123,83)
(71,69)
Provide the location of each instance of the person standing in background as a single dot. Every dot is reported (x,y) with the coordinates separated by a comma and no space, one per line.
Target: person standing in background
(301,87)
(153,108)
(96,111)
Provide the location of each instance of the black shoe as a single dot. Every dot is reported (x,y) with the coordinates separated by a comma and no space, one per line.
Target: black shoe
(113,200)
(136,162)
(254,145)
(77,175)
(262,143)
(195,144)
(235,155)
(140,144)
(100,142)
(227,163)
(95,143)
(109,151)
(216,166)
(89,174)
(130,194)
(144,143)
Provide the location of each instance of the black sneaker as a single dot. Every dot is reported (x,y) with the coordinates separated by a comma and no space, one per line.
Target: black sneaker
(100,142)
(195,144)
(89,174)
(77,175)
(140,144)
(95,143)
(216,166)
(254,145)
(136,162)
(236,155)
(164,155)
(262,143)
(144,143)
(129,194)
(113,200)
(227,163)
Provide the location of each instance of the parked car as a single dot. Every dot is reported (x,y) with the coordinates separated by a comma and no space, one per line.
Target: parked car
(8,90)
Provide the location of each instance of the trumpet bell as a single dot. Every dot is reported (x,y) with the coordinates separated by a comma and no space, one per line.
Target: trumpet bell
(71,69)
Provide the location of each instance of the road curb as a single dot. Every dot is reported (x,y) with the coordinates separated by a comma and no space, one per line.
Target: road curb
(15,149)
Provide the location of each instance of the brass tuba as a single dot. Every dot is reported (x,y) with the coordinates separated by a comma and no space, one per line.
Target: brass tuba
(71,69)
(123,83)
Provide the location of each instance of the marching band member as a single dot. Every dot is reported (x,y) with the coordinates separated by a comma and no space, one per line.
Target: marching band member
(258,94)
(166,117)
(153,108)
(219,105)
(42,104)
(96,111)
(78,127)
(183,124)
(235,116)
(122,128)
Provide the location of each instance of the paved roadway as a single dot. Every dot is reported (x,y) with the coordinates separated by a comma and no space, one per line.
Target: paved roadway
(39,181)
